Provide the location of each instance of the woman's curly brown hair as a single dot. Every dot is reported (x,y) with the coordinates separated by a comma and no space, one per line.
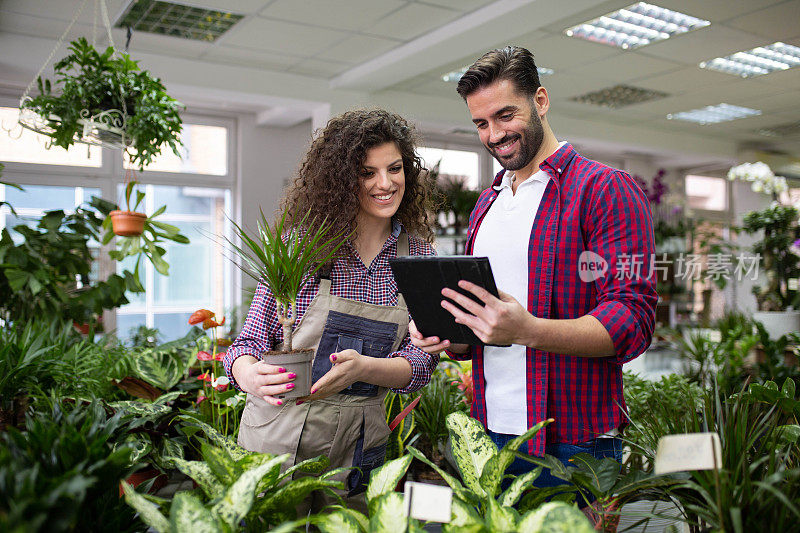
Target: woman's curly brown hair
(327,182)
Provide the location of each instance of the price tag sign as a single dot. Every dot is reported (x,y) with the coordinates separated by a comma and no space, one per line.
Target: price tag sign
(431,503)
(689,451)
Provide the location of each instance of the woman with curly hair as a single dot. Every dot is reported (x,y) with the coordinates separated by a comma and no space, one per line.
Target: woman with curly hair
(363,176)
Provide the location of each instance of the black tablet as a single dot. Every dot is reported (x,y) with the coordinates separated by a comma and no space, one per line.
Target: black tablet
(421,280)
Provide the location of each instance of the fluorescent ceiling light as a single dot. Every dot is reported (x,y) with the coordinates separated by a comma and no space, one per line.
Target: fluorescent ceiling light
(713,114)
(636,25)
(756,62)
(456,74)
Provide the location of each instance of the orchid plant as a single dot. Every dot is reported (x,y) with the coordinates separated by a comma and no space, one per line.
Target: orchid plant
(761,178)
(222,403)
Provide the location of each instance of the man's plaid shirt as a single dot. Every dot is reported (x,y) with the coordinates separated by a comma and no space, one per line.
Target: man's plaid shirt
(586,206)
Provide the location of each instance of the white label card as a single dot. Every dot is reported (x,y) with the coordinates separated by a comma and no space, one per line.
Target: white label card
(431,503)
(689,451)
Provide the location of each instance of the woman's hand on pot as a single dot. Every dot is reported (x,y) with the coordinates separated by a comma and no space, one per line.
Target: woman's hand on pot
(347,369)
(262,379)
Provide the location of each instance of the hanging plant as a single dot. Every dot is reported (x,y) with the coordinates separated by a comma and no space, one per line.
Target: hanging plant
(129,223)
(104,99)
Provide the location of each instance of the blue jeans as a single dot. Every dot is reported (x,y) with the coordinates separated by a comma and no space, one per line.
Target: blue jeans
(600,447)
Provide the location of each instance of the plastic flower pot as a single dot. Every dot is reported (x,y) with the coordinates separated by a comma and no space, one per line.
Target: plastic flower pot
(127,223)
(137,478)
(297,361)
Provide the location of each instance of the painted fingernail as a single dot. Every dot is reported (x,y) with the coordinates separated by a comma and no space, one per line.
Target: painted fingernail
(281,370)
(299,402)
(280,402)
(313,391)
(292,375)
(333,358)
(289,386)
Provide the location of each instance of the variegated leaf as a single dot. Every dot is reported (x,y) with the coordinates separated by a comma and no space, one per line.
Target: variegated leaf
(338,521)
(459,489)
(289,495)
(202,474)
(463,517)
(168,397)
(169,448)
(555,517)
(188,515)
(223,467)
(234,450)
(141,444)
(387,513)
(495,468)
(500,519)
(148,511)
(238,498)
(385,478)
(141,409)
(519,485)
(160,369)
(293,526)
(315,465)
(271,477)
(472,449)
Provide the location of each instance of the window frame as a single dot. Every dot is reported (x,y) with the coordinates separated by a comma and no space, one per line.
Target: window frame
(111,175)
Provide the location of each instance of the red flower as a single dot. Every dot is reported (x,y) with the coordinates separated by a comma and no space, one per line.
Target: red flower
(211,323)
(222,388)
(200,316)
(466,385)
(204,376)
(219,356)
(204,356)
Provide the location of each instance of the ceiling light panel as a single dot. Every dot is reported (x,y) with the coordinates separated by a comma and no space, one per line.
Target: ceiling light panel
(715,114)
(177,20)
(618,96)
(756,62)
(636,25)
(456,74)
(783,130)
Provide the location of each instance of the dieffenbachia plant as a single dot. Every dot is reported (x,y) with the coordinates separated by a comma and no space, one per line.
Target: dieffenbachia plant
(236,485)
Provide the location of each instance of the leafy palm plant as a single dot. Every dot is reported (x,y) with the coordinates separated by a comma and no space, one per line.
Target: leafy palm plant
(282,255)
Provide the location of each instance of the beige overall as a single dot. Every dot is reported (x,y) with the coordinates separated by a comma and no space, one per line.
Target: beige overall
(349,427)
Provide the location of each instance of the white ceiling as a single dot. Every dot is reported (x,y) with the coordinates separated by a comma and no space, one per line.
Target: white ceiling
(290,55)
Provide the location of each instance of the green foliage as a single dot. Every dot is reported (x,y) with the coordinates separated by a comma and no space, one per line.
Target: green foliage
(779,224)
(61,473)
(48,273)
(234,486)
(283,255)
(555,517)
(90,80)
(404,433)
(667,405)
(163,366)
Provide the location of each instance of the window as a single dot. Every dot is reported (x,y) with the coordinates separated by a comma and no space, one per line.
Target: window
(21,145)
(707,193)
(204,151)
(460,164)
(31,203)
(199,272)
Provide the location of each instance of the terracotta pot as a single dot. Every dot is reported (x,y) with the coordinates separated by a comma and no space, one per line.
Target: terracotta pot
(297,361)
(137,478)
(127,223)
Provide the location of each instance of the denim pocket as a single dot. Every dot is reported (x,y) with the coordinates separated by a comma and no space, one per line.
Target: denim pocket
(369,460)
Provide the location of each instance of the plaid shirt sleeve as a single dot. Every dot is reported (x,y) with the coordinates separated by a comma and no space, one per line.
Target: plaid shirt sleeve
(259,333)
(620,229)
(422,364)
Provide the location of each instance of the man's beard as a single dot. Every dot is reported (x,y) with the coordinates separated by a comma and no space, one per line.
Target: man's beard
(529,143)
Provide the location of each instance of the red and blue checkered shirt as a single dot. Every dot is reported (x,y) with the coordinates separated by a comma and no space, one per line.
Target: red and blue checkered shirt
(351,279)
(586,206)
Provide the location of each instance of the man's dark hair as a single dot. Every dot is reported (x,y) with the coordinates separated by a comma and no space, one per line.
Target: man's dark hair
(512,63)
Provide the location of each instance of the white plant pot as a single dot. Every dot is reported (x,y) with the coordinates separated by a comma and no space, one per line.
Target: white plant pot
(779,323)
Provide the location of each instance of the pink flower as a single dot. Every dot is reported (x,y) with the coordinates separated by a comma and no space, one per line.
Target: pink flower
(205,376)
(200,399)
(204,356)
(219,356)
(222,388)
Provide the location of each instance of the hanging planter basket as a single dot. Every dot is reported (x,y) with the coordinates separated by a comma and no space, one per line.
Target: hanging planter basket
(127,223)
(102,97)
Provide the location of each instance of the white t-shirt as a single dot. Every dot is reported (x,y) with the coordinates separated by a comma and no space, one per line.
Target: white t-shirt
(503,237)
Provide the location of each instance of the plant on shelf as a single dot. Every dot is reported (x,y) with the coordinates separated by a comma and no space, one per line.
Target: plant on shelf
(779,247)
(282,256)
(101,97)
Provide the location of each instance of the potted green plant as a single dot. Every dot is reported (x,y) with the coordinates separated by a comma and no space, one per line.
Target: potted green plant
(129,223)
(104,98)
(282,256)
(778,251)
